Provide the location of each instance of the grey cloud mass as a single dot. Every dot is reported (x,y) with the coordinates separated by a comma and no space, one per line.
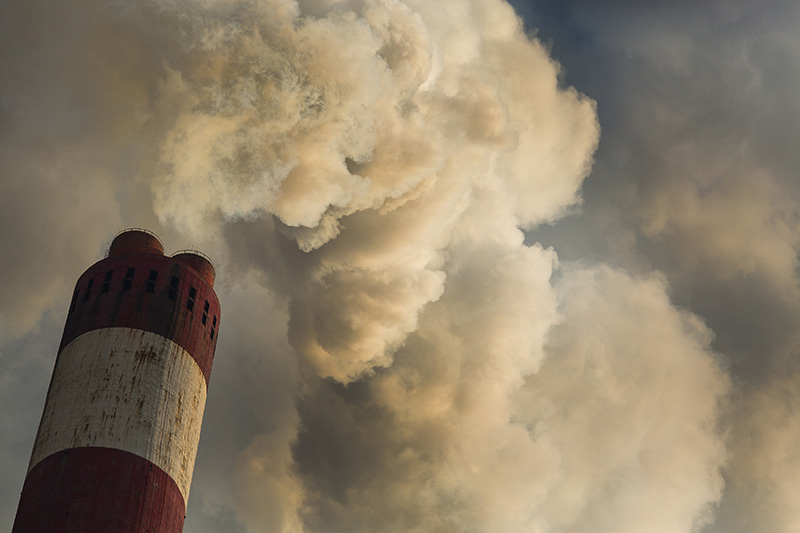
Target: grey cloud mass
(696,177)
(479,272)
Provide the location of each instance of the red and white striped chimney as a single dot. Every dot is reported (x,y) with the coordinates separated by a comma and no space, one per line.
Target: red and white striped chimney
(118,437)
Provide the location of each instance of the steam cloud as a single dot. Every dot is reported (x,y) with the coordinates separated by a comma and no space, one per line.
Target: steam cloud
(393,356)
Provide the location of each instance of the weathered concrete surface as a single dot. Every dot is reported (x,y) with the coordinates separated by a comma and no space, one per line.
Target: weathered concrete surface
(154,311)
(130,390)
(99,490)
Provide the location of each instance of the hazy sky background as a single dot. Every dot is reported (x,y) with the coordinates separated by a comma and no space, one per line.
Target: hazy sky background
(481,270)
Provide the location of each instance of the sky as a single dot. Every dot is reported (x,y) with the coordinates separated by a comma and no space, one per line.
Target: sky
(483,266)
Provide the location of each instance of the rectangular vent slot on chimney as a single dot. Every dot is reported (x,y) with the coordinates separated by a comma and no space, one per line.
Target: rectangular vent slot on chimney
(106,282)
(88,290)
(151,283)
(190,301)
(126,285)
(173,288)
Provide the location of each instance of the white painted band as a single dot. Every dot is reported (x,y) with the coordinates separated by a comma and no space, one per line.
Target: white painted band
(126,389)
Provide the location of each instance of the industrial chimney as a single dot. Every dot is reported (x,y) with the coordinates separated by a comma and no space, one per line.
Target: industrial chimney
(118,437)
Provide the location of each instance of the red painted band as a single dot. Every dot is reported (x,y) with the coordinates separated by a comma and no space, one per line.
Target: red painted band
(98,490)
(152,293)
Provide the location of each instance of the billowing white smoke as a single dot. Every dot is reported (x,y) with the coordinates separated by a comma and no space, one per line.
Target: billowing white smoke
(628,399)
(365,166)
(369,132)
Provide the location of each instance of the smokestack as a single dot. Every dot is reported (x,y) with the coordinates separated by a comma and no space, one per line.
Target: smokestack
(118,437)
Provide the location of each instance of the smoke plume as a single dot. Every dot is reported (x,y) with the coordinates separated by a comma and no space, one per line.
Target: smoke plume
(393,356)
